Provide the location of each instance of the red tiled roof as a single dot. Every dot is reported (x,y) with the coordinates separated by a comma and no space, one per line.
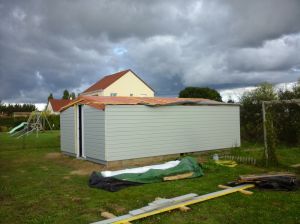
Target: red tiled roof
(57,104)
(99,102)
(106,81)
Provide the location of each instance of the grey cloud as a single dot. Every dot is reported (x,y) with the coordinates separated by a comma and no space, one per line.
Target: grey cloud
(171,44)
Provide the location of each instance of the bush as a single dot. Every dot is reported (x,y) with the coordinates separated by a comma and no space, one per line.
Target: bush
(10,122)
(54,121)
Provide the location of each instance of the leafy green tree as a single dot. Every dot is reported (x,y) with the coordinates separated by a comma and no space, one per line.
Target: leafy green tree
(66,95)
(290,94)
(263,92)
(199,92)
(50,96)
(11,108)
(72,96)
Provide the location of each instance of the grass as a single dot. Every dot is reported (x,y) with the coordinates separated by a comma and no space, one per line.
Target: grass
(37,187)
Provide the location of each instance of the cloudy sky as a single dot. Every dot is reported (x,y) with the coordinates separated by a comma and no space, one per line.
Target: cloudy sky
(49,46)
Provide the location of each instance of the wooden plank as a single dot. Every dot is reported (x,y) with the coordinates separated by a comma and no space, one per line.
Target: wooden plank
(179,176)
(184,208)
(175,199)
(265,175)
(113,220)
(242,191)
(109,215)
(182,204)
(185,197)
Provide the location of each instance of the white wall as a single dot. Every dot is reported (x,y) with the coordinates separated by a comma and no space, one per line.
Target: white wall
(93,133)
(142,131)
(67,131)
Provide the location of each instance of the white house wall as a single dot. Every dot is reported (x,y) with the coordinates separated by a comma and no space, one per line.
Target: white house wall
(141,131)
(67,131)
(93,134)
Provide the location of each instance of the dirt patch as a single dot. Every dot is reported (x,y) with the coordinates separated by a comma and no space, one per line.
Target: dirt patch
(53,155)
(118,208)
(66,177)
(78,167)
(84,168)
(81,172)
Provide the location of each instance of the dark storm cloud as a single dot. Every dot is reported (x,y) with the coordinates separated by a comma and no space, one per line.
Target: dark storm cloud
(48,46)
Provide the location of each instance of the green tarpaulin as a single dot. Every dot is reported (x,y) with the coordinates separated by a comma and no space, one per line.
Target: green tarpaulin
(186,165)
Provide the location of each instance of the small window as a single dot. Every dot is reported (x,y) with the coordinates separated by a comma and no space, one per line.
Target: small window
(113,94)
(131,94)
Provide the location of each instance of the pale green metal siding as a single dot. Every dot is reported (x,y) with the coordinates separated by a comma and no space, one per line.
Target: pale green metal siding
(93,133)
(135,131)
(67,131)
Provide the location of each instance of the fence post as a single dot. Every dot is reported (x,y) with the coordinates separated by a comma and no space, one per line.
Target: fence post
(265,132)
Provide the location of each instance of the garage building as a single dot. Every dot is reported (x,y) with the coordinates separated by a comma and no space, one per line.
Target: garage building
(108,129)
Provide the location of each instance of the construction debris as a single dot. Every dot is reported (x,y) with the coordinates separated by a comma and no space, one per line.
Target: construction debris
(187,167)
(265,176)
(228,163)
(275,181)
(179,176)
(164,205)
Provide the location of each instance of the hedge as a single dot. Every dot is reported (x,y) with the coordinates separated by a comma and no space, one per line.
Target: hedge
(286,121)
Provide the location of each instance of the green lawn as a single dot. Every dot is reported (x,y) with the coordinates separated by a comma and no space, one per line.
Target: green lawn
(37,186)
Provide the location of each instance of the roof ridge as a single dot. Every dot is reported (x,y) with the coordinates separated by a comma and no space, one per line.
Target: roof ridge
(106,81)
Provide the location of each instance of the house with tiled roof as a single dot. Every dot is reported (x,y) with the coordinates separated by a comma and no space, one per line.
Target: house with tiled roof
(55,105)
(123,83)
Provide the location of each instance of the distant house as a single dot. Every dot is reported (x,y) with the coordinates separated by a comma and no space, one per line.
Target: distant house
(54,105)
(124,83)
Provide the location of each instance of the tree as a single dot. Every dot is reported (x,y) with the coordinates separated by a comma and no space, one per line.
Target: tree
(72,96)
(50,96)
(288,95)
(198,92)
(11,108)
(66,95)
(264,92)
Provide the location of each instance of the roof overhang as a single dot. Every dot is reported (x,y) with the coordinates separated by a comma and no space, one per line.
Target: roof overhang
(99,102)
